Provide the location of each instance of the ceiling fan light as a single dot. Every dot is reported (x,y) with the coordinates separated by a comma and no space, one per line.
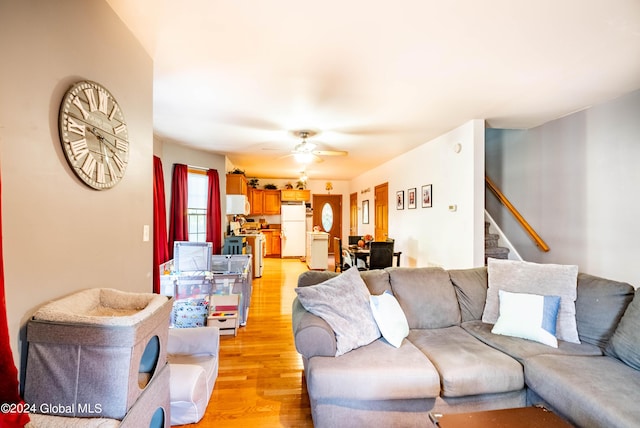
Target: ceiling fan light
(303,157)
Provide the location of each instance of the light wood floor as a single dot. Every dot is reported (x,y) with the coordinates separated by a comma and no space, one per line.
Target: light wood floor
(260,381)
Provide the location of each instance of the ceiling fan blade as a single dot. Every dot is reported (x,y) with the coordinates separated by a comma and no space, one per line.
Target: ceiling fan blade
(330,152)
(314,158)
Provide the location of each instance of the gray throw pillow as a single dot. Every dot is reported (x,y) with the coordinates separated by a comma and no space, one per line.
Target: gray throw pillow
(343,302)
(625,342)
(543,279)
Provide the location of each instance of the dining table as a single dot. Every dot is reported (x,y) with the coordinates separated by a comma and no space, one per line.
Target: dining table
(363,254)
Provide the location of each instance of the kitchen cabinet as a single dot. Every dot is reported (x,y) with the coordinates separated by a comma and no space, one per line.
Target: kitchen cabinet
(237,184)
(256,199)
(295,195)
(271,202)
(272,242)
(264,201)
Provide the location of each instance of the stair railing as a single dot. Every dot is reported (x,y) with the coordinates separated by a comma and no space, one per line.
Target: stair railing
(503,199)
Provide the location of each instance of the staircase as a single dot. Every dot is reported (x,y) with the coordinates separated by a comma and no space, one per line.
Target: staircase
(491,248)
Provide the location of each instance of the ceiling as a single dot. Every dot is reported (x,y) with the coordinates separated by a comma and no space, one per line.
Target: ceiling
(374,78)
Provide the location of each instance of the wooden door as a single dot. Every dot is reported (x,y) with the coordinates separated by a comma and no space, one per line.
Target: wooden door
(381,212)
(353,214)
(327,214)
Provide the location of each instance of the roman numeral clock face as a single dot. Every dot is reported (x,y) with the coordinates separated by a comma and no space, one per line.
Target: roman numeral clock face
(94,135)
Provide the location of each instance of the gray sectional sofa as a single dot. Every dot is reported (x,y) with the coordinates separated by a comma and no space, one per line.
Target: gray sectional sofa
(451,362)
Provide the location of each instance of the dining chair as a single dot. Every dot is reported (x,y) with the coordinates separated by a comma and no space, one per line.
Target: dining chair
(380,255)
(353,239)
(337,254)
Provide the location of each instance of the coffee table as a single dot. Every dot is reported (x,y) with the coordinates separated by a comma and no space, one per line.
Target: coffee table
(523,417)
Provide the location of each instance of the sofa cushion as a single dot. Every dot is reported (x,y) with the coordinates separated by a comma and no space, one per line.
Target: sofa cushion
(528,316)
(599,307)
(376,371)
(544,279)
(471,289)
(313,336)
(377,280)
(426,296)
(343,302)
(466,365)
(590,391)
(625,342)
(521,348)
(390,318)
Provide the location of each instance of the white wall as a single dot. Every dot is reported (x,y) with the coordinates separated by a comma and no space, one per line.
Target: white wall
(435,236)
(60,236)
(574,180)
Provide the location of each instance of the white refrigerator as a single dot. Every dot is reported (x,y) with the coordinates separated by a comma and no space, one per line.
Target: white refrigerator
(293,229)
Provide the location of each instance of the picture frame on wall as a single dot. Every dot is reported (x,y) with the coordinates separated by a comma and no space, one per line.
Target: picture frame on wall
(427,196)
(365,212)
(400,200)
(411,197)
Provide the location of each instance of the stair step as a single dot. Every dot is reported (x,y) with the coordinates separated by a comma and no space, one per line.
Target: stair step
(491,248)
(497,252)
(491,240)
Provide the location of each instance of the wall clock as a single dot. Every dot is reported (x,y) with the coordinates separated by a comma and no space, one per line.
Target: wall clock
(94,135)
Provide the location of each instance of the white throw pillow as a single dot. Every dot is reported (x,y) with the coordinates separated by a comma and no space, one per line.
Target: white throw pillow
(528,316)
(343,302)
(541,279)
(390,318)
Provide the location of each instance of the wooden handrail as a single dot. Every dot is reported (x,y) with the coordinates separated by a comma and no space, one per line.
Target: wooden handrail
(502,198)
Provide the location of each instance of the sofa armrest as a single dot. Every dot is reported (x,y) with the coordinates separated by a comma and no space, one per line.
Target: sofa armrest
(194,341)
(312,335)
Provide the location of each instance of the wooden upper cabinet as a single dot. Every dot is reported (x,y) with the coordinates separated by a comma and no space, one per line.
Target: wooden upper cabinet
(237,184)
(271,202)
(256,200)
(264,201)
(295,195)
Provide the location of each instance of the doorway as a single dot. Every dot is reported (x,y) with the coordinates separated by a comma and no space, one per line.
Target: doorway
(353,214)
(381,220)
(327,214)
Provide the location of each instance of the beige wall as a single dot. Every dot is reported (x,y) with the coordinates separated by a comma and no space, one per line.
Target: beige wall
(60,236)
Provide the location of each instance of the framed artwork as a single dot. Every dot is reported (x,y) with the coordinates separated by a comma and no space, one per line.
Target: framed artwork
(427,196)
(365,212)
(411,196)
(400,200)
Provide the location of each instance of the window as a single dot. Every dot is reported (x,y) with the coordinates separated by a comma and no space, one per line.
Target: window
(327,216)
(198,186)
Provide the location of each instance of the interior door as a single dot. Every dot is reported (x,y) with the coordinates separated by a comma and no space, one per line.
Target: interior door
(381,212)
(353,214)
(327,214)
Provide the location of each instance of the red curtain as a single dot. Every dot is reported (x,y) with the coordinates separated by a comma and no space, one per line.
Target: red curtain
(214,217)
(160,247)
(9,379)
(178,221)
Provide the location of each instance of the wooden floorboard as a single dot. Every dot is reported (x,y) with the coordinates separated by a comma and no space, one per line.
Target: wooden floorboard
(260,380)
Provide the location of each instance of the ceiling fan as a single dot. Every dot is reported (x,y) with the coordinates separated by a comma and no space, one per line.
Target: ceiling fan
(304,152)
